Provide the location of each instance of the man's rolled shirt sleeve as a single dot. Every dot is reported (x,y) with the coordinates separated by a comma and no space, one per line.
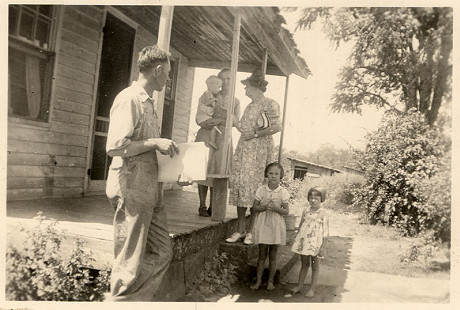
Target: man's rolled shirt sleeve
(123,118)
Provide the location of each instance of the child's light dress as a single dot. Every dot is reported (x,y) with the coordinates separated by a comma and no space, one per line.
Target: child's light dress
(311,234)
(269,226)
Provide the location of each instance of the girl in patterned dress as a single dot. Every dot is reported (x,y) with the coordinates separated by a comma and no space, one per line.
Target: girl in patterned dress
(311,239)
(270,205)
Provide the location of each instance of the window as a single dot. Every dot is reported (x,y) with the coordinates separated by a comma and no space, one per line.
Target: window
(170,87)
(30,60)
(167,123)
(299,172)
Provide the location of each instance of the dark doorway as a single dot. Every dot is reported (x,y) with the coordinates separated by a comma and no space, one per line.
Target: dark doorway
(169,102)
(114,75)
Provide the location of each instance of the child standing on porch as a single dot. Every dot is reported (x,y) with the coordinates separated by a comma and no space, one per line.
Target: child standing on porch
(311,239)
(270,204)
(206,105)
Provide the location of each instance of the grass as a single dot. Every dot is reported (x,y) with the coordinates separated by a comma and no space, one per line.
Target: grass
(357,245)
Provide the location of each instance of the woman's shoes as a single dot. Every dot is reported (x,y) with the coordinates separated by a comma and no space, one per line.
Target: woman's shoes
(248,239)
(202,211)
(235,237)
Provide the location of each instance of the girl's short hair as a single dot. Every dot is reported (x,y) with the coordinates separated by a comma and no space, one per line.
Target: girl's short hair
(317,190)
(274,164)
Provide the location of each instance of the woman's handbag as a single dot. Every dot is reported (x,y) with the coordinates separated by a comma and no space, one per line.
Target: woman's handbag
(263,121)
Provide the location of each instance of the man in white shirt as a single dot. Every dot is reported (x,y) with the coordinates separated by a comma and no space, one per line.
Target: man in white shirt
(142,245)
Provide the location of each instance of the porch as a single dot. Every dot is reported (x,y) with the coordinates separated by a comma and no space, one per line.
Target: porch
(90,218)
(59,157)
(194,238)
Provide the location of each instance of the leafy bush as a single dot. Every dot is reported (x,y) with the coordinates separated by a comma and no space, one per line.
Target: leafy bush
(217,277)
(436,192)
(297,188)
(403,159)
(424,249)
(39,272)
(341,190)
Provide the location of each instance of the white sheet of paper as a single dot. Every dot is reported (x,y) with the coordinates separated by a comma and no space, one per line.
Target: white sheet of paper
(192,160)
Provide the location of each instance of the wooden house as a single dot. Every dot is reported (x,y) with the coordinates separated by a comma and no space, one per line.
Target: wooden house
(66,64)
(352,171)
(302,168)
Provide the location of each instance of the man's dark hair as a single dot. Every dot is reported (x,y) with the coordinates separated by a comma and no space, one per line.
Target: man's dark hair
(151,56)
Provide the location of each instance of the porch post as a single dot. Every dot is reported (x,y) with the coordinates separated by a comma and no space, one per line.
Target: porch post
(219,199)
(264,62)
(164,37)
(284,118)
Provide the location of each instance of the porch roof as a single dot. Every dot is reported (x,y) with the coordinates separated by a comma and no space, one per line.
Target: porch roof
(203,34)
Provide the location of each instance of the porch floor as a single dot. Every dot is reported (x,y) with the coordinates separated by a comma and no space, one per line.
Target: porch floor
(90,219)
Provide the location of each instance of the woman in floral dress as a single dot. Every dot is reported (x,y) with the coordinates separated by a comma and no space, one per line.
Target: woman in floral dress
(260,120)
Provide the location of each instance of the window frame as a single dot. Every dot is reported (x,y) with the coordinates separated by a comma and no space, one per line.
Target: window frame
(174,71)
(40,51)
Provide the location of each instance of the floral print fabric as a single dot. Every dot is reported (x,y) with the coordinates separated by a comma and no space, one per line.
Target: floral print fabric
(310,236)
(252,156)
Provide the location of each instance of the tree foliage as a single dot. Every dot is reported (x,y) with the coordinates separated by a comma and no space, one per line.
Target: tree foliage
(326,155)
(408,175)
(331,156)
(401,57)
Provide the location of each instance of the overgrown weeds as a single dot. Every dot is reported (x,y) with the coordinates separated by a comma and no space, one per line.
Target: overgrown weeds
(38,270)
(218,276)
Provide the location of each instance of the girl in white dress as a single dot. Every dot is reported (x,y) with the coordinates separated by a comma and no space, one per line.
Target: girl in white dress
(311,239)
(270,205)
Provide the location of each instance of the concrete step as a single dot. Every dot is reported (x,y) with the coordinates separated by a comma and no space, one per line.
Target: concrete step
(190,251)
(286,260)
(245,258)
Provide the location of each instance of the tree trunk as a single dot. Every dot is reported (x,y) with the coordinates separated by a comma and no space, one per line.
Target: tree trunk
(441,79)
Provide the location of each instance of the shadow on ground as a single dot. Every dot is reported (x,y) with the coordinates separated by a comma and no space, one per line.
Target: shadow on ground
(330,287)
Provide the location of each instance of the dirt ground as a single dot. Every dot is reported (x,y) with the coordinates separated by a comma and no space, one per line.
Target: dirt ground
(377,249)
(362,264)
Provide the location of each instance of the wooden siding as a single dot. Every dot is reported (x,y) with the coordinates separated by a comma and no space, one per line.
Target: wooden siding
(143,38)
(185,78)
(50,161)
(47,160)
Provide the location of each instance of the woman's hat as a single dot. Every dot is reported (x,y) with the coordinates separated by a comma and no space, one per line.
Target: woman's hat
(256,80)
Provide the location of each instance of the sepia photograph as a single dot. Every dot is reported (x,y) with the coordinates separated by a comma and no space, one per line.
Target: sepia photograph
(222,154)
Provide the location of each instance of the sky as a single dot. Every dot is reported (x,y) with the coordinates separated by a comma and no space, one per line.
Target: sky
(309,122)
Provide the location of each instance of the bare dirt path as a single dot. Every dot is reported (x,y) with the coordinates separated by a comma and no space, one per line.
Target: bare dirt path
(362,264)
